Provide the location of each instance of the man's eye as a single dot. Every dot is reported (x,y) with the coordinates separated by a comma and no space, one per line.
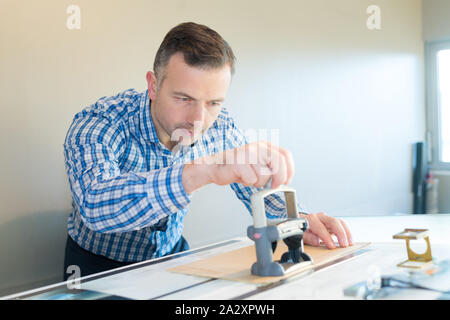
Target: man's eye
(215,104)
(184,99)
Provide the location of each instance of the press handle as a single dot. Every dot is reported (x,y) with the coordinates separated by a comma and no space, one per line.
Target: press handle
(258,206)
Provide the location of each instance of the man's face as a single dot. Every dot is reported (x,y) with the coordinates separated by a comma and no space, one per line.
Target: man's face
(188,101)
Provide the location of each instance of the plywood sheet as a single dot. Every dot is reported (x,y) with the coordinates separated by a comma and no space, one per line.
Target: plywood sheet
(235,265)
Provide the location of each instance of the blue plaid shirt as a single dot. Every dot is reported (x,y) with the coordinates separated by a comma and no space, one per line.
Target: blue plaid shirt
(127,194)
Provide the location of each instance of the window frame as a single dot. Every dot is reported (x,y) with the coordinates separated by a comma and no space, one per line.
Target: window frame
(433,135)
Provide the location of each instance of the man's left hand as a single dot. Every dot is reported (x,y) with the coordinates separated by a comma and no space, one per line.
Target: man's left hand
(322,227)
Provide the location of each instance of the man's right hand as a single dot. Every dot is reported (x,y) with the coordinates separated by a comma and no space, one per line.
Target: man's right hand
(252,165)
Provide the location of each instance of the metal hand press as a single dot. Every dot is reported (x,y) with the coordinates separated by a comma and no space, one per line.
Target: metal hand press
(266,236)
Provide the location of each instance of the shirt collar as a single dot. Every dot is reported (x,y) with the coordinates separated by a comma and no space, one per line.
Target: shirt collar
(146,122)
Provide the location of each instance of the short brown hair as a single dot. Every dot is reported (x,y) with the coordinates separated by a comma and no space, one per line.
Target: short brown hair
(201,47)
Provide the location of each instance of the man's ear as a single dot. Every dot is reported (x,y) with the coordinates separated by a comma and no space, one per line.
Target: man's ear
(152,85)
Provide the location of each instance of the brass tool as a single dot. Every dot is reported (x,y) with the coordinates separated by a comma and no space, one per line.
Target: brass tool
(415,260)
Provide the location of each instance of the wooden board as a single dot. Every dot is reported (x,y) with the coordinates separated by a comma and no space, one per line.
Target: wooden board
(235,265)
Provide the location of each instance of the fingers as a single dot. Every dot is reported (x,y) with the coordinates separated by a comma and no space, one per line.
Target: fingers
(279,161)
(323,227)
(263,174)
(311,239)
(335,227)
(347,232)
(279,170)
(289,161)
(317,227)
(253,165)
(246,174)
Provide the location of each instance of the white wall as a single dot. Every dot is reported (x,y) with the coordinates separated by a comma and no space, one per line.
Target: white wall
(436,20)
(348,102)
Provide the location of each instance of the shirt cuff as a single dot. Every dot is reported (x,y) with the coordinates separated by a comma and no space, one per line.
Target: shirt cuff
(168,190)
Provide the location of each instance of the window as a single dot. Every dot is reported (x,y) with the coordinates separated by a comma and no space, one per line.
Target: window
(438,103)
(443,64)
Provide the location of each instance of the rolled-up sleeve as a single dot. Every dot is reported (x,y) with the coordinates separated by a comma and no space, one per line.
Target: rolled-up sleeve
(108,200)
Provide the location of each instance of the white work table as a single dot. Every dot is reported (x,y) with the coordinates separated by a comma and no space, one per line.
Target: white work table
(150,280)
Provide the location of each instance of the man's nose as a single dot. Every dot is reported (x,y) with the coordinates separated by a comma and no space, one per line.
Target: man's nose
(197,112)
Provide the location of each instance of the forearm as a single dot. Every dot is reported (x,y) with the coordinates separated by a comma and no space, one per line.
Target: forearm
(196,176)
(133,200)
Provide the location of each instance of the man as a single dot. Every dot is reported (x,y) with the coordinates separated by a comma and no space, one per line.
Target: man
(134,159)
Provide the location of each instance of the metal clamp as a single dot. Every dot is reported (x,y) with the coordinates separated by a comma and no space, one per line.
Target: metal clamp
(265,235)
